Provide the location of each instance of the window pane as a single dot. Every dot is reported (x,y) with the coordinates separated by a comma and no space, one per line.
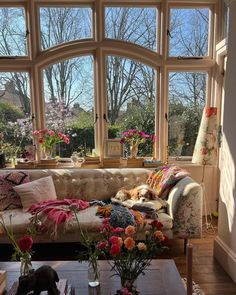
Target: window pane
(131,99)
(136,25)
(62,24)
(15,113)
(13,41)
(69,102)
(187,96)
(189,30)
(225,21)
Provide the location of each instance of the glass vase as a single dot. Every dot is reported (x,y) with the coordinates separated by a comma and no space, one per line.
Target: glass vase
(48,153)
(133,151)
(25,265)
(93,275)
(129,284)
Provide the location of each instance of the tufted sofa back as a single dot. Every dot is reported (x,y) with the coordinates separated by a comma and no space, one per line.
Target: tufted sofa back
(88,184)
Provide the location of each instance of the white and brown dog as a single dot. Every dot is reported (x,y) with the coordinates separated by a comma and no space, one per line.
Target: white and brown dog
(141,193)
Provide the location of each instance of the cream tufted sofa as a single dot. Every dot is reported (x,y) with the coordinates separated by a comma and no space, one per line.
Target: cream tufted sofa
(182,220)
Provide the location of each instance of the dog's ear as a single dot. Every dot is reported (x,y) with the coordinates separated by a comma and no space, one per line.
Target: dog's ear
(122,195)
(153,195)
(126,195)
(134,194)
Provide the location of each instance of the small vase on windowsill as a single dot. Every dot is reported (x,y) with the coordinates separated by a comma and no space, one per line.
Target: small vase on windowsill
(47,160)
(48,153)
(133,151)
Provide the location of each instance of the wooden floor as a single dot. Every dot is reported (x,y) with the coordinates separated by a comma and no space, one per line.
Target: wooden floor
(207,272)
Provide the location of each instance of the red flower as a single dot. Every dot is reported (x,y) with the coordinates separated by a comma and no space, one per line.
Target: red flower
(44,131)
(204,151)
(114,240)
(25,243)
(117,230)
(102,245)
(41,140)
(210,111)
(106,221)
(157,224)
(36,132)
(51,132)
(115,249)
(60,135)
(66,140)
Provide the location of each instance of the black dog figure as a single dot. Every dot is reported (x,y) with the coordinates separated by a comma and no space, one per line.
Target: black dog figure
(42,279)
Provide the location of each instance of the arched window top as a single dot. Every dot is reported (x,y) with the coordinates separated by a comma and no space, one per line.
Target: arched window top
(59,25)
(137,25)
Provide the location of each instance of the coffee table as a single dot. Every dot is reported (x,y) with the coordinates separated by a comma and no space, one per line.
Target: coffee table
(161,278)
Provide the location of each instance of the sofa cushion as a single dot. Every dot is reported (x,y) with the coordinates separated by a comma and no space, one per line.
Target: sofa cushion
(36,191)
(165,178)
(9,199)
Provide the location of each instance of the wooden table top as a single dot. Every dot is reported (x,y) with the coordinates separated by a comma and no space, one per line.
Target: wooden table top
(161,278)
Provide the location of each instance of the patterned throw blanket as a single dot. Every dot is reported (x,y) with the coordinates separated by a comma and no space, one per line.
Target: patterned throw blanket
(49,214)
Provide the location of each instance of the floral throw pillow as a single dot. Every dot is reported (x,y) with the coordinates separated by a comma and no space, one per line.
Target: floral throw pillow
(9,199)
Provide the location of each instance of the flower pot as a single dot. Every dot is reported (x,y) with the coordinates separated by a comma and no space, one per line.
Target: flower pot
(93,275)
(133,151)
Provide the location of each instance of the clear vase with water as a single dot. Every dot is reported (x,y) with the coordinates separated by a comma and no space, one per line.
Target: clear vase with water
(25,265)
(93,275)
(48,153)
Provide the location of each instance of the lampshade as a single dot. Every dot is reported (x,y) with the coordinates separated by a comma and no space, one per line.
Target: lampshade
(205,150)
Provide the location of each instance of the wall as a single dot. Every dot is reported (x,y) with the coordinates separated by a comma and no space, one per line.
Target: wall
(225,242)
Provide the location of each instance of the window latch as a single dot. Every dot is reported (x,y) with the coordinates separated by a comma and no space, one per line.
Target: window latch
(105,118)
(166,117)
(96,118)
(168,33)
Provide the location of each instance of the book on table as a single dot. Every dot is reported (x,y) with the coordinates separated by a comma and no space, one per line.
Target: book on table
(3,281)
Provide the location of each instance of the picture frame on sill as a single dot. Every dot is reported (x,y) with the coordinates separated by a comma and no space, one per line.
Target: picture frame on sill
(113,148)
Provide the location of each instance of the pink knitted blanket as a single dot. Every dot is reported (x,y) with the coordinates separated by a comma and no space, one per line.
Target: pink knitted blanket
(48,215)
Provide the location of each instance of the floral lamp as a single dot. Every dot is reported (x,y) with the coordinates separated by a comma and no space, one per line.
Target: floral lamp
(205,151)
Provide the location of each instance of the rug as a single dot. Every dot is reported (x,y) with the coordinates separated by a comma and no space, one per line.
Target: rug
(196,288)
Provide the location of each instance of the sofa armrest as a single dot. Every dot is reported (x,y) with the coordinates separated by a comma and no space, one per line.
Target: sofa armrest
(185,207)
